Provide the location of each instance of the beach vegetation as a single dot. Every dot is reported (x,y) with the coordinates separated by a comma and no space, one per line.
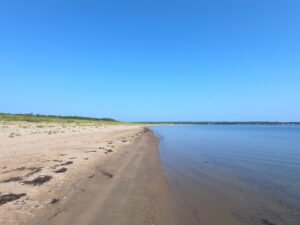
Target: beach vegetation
(14,134)
(78,120)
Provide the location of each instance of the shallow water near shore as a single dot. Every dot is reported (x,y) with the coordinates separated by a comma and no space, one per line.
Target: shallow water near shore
(233,174)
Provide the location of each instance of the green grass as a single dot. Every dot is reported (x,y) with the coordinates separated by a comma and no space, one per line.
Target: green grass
(55,119)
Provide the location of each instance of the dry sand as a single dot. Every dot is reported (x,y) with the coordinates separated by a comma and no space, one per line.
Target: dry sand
(91,174)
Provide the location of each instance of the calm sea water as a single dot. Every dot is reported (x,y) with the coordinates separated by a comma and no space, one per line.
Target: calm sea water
(240,174)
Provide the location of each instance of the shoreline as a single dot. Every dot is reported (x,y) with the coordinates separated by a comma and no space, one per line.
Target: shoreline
(134,191)
(115,177)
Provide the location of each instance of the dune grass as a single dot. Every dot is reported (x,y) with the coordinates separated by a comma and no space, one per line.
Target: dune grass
(6,117)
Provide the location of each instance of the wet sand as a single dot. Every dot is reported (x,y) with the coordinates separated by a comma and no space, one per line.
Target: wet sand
(128,188)
(93,175)
(210,200)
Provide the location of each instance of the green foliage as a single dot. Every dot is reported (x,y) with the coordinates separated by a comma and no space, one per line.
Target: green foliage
(52,118)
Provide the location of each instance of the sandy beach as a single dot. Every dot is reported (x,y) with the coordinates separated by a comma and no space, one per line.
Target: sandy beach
(70,174)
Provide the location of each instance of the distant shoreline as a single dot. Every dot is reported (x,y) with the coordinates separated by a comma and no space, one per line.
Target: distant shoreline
(9,117)
(221,123)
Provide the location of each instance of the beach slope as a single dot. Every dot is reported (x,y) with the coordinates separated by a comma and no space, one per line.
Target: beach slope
(128,188)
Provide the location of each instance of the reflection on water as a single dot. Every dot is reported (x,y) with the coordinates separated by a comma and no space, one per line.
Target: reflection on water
(234,174)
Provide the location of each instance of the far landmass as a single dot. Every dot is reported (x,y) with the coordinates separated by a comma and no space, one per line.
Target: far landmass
(54,118)
(225,123)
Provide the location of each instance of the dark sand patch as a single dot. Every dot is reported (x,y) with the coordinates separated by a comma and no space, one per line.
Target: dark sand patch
(66,163)
(267,222)
(10,197)
(14,170)
(39,180)
(61,170)
(108,151)
(54,200)
(12,179)
(106,173)
(19,178)
(33,170)
(57,160)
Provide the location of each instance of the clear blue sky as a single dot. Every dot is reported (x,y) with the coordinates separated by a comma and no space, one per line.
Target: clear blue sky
(152,60)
